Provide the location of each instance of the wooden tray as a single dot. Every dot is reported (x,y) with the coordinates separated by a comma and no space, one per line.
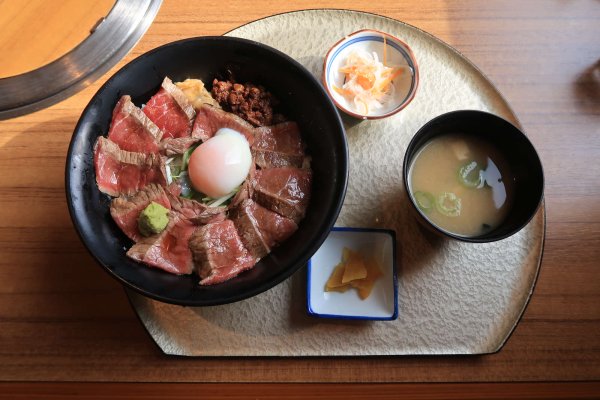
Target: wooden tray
(454,298)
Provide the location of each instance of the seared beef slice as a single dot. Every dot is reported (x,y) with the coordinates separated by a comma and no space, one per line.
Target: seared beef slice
(126,210)
(174,146)
(131,130)
(218,252)
(169,249)
(285,191)
(171,111)
(278,146)
(122,172)
(196,212)
(246,189)
(261,229)
(210,119)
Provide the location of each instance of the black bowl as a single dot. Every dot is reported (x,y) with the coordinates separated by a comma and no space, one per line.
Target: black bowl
(514,146)
(303,100)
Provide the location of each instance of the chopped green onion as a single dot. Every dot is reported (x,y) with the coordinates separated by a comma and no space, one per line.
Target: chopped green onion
(425,201)
(223,199)
(448,204)
(471,175)
(174,169)
(186,157)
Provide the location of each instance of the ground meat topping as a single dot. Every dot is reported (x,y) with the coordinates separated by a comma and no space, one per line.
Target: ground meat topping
(251,102)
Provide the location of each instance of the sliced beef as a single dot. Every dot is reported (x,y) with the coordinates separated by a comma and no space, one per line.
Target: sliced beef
(246,190)
(120,172)
(169,249)
(132,130)
(174,188)
(126,210)
(244,193)
(171,111)
(278,146)
(219,253)
(210,215)
(261,229)
(174,146)
(195,211)
(285,191)
(210,119)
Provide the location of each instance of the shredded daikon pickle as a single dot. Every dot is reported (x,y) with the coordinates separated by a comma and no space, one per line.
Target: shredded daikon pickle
(368,82)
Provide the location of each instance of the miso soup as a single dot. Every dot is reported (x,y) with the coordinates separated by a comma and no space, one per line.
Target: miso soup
(462,184)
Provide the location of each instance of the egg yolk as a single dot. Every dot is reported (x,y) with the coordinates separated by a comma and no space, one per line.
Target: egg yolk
(221,164)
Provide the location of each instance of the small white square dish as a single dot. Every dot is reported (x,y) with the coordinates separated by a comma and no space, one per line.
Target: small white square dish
(382,303)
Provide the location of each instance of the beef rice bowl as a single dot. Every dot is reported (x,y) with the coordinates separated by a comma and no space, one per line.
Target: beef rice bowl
(151,121)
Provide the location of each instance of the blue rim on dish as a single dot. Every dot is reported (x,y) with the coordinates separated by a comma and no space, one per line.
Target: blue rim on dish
(372,35)
(394,315)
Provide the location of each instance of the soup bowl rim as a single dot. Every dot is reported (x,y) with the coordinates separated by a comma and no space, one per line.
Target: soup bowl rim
(412,150)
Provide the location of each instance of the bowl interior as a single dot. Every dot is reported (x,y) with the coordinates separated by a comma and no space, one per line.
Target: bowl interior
(518,151)
(302,100)
(397,53)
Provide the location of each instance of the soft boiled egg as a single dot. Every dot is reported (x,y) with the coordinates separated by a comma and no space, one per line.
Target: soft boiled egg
(222,163)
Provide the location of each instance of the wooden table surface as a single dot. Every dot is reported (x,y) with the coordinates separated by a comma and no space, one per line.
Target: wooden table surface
(65,324)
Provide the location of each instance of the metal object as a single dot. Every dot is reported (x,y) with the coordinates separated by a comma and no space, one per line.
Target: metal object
(110,39)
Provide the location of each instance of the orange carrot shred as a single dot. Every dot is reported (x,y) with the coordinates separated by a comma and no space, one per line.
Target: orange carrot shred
(389,79)
(341,91)
(366,79)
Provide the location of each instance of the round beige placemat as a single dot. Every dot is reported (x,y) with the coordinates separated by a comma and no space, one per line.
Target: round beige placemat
(454,298)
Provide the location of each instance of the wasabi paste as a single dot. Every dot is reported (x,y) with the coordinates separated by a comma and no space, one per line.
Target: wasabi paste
(154,219)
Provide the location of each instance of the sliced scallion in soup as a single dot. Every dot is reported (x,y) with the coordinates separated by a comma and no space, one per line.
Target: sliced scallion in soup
(425,201)
(471,175)
(462,184)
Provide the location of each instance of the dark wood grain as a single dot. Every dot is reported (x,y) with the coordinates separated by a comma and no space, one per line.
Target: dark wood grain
(452,391)
(63,319)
